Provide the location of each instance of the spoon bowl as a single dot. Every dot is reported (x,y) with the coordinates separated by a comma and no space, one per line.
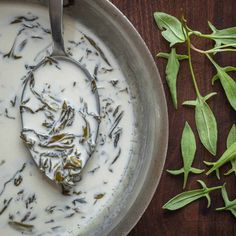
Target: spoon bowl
(60,111)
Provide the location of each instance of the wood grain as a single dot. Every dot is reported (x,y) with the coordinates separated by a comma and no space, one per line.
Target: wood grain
(195,219)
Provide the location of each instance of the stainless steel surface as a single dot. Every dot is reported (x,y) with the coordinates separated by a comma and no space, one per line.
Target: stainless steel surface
(148,158)
(56,13)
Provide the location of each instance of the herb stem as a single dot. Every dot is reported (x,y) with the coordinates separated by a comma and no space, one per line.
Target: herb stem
(226,45)
(221,50)
(191,67)
(197,49)
(216,49)
(220,208)
(209,36)
(212,61)
(214,188)
(226,207)
(199,34)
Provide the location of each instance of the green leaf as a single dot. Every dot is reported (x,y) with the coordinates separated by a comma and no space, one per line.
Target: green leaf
(190,103)
(165,55)
(229,205)
(176,172)
(196,171)
(205,122)
(225,195)
(215,77)
(230,171)
(188,149)
(230,140)
(224,36)
(216,170)
(208,200)
(228,84)
(229,68)
(188,197)
(171,28)
(210,95)
(172,70)
(206,125)
(228,155)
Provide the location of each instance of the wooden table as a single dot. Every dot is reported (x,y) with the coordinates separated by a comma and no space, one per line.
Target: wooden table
(195,219)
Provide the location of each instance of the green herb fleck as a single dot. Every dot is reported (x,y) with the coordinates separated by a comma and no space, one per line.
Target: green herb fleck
(22,227)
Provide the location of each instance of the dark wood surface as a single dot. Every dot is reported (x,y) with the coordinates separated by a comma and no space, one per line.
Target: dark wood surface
(194,219)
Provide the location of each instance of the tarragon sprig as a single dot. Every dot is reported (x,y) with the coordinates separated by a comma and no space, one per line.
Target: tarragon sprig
(221,37)
(188,197)
(188,150)
(177,32)
(204,117)
(228,156)
(229,205)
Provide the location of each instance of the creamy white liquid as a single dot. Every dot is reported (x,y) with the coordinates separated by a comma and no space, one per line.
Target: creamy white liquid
(35,200)
(61,116)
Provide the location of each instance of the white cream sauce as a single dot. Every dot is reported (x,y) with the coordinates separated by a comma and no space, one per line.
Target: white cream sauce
(61,115)
(26,196)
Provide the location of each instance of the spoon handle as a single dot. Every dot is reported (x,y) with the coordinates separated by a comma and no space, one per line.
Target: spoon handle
(55,14)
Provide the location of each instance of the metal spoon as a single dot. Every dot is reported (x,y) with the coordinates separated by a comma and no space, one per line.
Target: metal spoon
(58,127)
